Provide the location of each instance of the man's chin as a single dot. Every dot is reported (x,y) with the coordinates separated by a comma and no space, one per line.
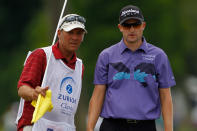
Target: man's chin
(132,41)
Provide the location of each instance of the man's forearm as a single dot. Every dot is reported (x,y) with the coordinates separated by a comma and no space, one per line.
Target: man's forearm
(95,106)
(167,109)
(26,92)
(168,116)
(93,115)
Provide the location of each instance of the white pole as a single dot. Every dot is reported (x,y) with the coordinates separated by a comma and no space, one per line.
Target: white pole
(53,42)
(59,22)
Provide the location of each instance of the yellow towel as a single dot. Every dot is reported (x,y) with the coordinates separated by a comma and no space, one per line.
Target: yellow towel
(42,105)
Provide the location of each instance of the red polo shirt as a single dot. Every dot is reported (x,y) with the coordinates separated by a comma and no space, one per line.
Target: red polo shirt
(32,76)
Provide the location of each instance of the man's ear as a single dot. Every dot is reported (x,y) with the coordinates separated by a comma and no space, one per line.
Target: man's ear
(58,33)
(120,27)
(144,25)
(82,38)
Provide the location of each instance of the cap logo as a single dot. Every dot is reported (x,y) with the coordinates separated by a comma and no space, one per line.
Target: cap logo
(130,11)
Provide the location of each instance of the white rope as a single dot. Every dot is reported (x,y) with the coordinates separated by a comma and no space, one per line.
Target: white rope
(64,6)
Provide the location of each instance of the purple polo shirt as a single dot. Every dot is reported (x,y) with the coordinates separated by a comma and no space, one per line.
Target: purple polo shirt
(133,80)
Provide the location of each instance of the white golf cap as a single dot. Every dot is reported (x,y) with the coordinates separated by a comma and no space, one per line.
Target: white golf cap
(72,21)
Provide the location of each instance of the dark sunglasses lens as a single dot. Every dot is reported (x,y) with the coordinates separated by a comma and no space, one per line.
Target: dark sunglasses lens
(128,25)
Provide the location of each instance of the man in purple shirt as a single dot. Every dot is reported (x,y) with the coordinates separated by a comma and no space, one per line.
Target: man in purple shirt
(132,81)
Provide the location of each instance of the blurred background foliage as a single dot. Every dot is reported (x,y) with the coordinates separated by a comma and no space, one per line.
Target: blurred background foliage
(171,25)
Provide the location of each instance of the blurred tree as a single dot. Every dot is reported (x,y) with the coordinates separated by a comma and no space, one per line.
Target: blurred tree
(187,19)
(14,18)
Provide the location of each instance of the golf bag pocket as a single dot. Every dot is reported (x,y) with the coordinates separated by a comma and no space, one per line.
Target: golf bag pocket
(47,125)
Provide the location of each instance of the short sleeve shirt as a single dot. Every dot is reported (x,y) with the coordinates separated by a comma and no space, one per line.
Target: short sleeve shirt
(133,80)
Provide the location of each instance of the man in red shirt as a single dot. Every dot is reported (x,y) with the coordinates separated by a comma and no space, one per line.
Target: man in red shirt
(70,34)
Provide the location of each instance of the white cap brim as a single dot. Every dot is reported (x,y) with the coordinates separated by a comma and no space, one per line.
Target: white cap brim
(72,25)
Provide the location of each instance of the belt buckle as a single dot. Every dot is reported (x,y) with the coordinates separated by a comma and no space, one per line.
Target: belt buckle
(131,121)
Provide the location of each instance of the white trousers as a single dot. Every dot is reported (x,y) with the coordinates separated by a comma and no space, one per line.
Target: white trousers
(27,128)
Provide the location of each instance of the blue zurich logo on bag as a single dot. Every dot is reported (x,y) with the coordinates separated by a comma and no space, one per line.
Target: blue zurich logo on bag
(67,84)
(69,89)
(66,96)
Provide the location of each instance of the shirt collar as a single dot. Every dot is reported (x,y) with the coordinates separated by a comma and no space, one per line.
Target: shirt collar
(58,54)
(123,47)
(143,47)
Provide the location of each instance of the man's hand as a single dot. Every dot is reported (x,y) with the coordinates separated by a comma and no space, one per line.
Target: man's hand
(28,93)
(39,90)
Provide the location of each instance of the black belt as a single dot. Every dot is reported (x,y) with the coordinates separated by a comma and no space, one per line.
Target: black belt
(129,121)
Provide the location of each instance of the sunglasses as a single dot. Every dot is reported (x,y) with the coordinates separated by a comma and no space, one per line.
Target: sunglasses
(75,18)
(134,25)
